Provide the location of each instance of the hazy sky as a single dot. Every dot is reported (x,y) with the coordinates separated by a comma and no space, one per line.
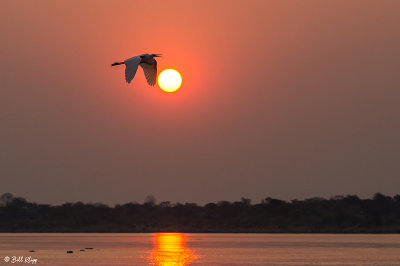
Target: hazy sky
(287,99)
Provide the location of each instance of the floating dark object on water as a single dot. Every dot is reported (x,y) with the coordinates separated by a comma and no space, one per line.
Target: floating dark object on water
(32,250)
(82,250)
(88,248)
(70,251)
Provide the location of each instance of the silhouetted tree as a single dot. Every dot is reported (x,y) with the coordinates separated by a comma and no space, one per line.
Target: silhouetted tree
(150,200)
(6,198)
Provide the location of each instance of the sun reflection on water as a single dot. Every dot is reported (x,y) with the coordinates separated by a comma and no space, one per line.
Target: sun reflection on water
(170,250)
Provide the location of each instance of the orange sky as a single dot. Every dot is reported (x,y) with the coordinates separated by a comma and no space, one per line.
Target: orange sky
(288,99)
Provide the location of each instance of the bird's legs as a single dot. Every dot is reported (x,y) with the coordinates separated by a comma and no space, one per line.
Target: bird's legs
(118,63)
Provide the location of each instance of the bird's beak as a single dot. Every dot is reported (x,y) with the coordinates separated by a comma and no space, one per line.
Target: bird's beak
(157,55)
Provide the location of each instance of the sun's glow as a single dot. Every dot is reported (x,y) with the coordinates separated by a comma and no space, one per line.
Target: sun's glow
(170,250)
(169,80)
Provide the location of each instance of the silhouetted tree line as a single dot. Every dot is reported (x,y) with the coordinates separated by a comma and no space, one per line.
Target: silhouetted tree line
(339,214)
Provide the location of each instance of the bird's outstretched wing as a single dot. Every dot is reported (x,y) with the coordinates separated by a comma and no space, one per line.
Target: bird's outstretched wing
(131,66)
(150,71)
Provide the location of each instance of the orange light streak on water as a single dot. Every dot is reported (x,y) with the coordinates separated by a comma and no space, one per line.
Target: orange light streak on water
(170,250)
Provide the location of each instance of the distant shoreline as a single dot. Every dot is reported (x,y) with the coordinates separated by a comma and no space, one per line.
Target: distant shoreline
(337,215)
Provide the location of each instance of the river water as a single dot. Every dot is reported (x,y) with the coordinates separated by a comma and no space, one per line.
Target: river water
(171,249)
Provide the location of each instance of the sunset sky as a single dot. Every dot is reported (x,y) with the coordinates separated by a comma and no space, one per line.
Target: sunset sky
(287,99)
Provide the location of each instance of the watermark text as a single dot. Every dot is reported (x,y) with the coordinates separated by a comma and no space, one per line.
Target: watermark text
(20,259)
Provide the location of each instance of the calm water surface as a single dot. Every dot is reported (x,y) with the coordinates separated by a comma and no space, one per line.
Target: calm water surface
(200,249)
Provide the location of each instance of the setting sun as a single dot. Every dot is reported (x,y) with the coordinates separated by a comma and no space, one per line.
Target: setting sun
(169,80)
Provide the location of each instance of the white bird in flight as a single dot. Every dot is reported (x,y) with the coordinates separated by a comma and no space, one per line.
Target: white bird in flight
(146,61)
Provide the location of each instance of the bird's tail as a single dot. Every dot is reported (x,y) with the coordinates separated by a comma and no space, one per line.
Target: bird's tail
(117,63)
